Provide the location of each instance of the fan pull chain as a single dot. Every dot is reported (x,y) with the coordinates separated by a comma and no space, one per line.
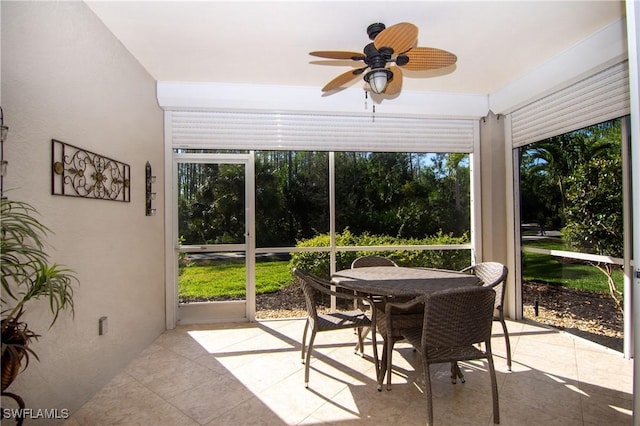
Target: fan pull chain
(366,106)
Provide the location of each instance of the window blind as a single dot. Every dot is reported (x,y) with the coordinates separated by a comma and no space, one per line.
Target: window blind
(600,97)
(319,132)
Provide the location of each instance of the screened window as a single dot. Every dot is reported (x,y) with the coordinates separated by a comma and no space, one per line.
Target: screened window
(403,195)
(292,197)
(572,222)
(571,189)
(211,203)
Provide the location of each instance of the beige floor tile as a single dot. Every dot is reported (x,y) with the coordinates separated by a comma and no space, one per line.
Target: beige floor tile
(618,411)
(217,338)
(167,373)
(129,404)
(236,374)
(250,412)
(182,343)
(553,360)
(543,335)
(211,398)
(292,402)
(257,378)
(364,404)
(549,395)
(211,362)
(513,413)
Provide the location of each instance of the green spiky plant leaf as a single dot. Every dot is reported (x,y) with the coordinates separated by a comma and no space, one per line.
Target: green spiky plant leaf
(27,275)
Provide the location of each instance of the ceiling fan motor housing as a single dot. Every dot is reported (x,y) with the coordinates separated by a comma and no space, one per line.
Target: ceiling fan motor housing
(374,29)
(377,58)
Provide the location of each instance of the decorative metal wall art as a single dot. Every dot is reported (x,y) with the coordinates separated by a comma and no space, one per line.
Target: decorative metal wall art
(150,180)
(3,163)
(77,172)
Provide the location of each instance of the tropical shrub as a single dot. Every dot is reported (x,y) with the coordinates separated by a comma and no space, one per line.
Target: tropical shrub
(318,263)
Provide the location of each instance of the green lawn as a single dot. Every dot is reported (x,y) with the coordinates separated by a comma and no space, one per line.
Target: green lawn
(223,280)
(554,270)
(547,243)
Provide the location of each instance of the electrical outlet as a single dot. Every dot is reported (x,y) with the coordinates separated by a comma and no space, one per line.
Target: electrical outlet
(102,326)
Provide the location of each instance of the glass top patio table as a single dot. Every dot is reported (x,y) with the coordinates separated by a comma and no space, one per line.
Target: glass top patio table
(401,281)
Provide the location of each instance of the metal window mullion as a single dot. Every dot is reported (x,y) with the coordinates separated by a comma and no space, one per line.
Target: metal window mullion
(170,226)
(476,198)
(250,239)
(332,221)
(627,244)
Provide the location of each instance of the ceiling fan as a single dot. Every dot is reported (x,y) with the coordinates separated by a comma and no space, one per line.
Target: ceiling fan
(393,45)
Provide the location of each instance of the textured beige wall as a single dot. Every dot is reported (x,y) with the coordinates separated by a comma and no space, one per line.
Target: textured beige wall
(65,76)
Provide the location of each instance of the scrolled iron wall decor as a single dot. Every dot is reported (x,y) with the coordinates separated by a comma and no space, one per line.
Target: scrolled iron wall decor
(77,172)
(150,180)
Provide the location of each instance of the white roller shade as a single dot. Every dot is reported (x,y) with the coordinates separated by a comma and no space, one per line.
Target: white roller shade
(319,132)
(600,97)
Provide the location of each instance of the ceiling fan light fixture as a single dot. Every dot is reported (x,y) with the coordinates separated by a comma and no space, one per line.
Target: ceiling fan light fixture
(378,79)
(395,45)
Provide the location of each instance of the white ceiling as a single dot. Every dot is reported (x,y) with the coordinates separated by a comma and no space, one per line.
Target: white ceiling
(267,42)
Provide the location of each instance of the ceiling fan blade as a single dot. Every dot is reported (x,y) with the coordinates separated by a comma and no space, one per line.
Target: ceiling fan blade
(343,79)
(400,37)
(338,54)
(395,85)
(428,58)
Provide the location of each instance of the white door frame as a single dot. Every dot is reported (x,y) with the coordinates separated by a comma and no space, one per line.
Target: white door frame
(213,311)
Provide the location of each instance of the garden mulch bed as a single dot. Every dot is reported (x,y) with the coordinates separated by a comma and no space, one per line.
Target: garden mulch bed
(593,316)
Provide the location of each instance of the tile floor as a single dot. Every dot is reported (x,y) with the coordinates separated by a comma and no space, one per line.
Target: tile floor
(251,374)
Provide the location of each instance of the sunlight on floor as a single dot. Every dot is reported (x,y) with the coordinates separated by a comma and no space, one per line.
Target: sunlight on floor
(251,373)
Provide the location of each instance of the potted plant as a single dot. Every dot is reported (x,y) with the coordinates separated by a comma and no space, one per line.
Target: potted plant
(27,275)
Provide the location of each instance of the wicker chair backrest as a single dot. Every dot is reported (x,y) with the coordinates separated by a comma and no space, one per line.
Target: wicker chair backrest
(311,294)
(493,275)
(318,290)
(458,317)
(367,261)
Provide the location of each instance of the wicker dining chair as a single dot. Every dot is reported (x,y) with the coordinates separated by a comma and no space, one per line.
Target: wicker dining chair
(366,261)
(314,288)
(406,318)
(403,317)
(494,275)
(455,321)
